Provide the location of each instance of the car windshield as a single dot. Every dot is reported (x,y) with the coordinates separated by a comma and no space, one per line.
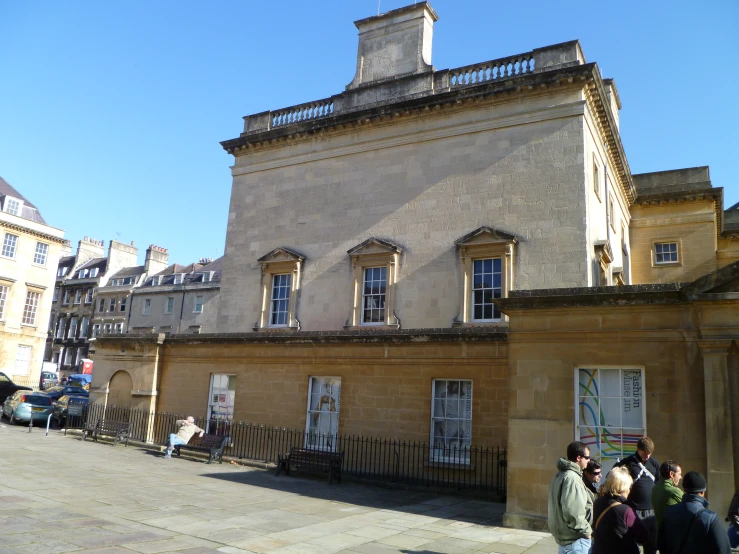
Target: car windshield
(36,400)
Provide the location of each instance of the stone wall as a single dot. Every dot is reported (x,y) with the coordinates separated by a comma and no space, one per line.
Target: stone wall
(422,183)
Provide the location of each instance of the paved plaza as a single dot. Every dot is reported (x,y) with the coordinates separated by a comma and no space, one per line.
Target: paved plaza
(60,494)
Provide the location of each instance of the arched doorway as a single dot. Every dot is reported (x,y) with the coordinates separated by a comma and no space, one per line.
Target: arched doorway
(119,390)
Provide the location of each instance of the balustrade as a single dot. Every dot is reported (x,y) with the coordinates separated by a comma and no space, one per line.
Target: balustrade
(493,70)
(302,112)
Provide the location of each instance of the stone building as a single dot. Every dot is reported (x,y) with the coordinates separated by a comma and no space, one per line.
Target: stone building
(113,302)
(78,279)
(178,299)
(29,253)
(463,257)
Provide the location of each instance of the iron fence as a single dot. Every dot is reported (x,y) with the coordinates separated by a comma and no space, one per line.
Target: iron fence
(404,462)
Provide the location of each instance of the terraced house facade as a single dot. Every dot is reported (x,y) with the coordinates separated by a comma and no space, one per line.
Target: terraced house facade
(463,257)
(29,252)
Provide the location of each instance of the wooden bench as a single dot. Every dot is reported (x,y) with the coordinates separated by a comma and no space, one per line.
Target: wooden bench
(312,459)
(213,444)
(119,430)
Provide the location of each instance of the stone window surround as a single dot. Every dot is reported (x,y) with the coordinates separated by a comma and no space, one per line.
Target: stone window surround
(604,259)
(280,261)
(668,240)
(374,252)
(483,243)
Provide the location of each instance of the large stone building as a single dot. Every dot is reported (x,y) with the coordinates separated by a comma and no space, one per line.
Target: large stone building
(29,253)
(463,257)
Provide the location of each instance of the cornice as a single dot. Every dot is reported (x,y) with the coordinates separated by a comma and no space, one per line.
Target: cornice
(33,232)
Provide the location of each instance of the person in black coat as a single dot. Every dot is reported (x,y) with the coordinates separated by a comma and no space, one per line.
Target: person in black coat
(644,470)
(617,528)
(690,527)
(591,477)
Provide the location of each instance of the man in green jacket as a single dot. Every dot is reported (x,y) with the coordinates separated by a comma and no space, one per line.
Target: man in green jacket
(665,492)
(570,512)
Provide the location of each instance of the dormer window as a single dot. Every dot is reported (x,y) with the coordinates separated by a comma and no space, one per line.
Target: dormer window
(62,271)
(207,276)
(12,206)
(178,278)
(94,272)
(83,273)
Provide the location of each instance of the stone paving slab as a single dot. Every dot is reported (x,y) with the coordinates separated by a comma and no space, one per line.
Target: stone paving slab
(60,494)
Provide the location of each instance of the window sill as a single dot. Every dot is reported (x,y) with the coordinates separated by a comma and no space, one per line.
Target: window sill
(284,329)
(382,327)
(8,257)
(42,266)
(31,325)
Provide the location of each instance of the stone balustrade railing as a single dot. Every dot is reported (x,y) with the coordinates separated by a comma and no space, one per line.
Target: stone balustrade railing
(302,112)
(503,68)
(540,60)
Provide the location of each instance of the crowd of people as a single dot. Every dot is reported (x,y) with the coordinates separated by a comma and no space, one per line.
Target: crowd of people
(639,503)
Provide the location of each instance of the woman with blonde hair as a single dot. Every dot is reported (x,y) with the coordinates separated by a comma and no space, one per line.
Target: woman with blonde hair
(617,529)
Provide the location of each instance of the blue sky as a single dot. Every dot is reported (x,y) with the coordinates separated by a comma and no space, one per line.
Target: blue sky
(111,113)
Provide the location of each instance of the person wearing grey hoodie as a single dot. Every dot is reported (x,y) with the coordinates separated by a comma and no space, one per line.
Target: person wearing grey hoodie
(570,513)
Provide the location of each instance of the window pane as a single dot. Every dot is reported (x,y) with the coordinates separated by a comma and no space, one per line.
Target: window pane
(451,427)
(373,296)
(486,286)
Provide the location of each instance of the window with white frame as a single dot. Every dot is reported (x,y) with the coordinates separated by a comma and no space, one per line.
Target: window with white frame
(56,294)
(62,271)
(487,277)
(83,274)
(9,244)
(84,323)
(55,357)
(101,305)
(3,300)
(81,353)
(94,272)
(12,206)
(373,296)
(122,305)
(169,305)
(88,295)
(111,305)
(280,301)
(77,296)
(22,359)
(39,257)
(31,307)
(68,356)
(451,420)
(119,328)
(72,328)
(96,330)
(666,253)
(324,402)
(65,301)
(106,328)
(612,213)
(610,415)
(146,308)
(596,178)
(198,304)
(178,278)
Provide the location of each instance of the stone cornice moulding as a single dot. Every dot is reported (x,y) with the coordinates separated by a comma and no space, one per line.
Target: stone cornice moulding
(637,222)
(39,234)
(572,109)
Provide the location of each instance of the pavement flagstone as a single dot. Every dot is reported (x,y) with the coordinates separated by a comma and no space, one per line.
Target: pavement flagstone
(59,494)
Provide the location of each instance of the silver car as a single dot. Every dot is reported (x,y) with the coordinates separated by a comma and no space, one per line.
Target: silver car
(24,406)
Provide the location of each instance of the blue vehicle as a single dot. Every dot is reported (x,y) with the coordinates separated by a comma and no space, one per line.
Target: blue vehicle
(24,406)
(81,379)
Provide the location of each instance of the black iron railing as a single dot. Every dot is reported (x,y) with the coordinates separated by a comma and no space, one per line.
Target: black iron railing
(410,463)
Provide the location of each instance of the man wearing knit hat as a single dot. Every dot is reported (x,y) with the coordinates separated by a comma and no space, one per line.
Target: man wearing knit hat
(690,527)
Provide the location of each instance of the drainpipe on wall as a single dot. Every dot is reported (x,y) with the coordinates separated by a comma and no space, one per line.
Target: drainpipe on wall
(182,310)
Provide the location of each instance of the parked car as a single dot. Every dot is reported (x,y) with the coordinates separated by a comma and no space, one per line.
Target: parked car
(48,379)
(80,379)
(55,393)
(23,406)
(61,408)
(8,387)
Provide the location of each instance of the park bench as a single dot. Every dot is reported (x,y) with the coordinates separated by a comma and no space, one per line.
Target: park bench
(311,459)
(213,444)
(119,430)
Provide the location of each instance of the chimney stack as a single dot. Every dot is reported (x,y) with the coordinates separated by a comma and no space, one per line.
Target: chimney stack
(395,44)
(157,259)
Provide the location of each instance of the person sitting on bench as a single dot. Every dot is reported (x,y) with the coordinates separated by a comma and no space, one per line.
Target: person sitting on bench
(186,428)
